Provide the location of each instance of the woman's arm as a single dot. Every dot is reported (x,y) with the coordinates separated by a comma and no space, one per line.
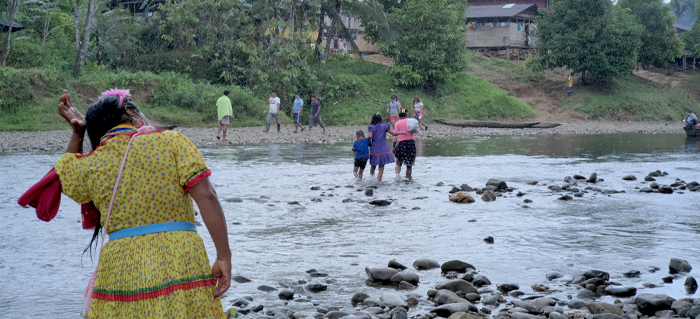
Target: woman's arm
(391,131)
(213,216)
(76,121)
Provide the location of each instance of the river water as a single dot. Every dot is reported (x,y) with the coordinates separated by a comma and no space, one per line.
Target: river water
(42,273)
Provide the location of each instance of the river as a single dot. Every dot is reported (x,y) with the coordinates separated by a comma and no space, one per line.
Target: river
(274,243)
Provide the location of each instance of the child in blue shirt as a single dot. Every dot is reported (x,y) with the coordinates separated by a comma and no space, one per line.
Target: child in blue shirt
(361,149)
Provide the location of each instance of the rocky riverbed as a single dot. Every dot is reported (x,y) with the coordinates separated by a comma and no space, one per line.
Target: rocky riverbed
(57,140)
(466,293)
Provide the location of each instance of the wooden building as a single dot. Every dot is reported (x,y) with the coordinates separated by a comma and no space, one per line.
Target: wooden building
(502,27)
(354,25)
(542,4)
(5,26)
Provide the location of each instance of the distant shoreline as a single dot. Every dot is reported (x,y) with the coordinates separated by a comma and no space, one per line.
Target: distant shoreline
(12,141)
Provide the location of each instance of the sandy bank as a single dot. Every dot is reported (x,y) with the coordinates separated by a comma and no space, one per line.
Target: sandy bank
(57,140)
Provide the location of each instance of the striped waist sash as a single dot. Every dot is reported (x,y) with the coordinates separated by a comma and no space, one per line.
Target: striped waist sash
(150,229)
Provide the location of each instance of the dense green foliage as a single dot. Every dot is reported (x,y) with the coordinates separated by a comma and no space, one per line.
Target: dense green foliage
(431,49)
(659,42)
(590,37)
(635,99)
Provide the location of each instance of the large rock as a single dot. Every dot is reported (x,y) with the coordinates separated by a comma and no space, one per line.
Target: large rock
(526,305)
(456,265)
(629,178)
(491,300)
(498,184)
(619,291)
(596,274)
(407,276)
(601,307)
(457,285)
(335,315)
(396,265)
(286,294)
(506,287)
(543,302)
(665,189)
(399,313)
(373,302)
(593,178)
(425,264)
(467,188)
(316,287)
(383,274)
(462,198)
(488,196)
(648,304)
(691,285)
(359,297)
(693,312)
(480,281)
(577,304)
(463,315)
(449,309)
(443,295)
(678,265)
(392,300)
(405,285)
(585,294)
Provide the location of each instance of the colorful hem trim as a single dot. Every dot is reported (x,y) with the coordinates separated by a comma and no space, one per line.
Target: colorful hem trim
(153,292)
(389,152)
(205,172)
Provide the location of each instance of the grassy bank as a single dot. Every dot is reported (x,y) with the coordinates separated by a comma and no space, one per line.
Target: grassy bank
(351,92)
(634,99)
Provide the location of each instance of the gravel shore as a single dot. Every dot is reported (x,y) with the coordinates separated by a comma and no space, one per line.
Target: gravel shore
(57,140)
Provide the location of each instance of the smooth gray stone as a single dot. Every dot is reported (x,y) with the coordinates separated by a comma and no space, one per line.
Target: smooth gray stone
(286,294)
(506,287)
(335,315)
(406,276)
(557,315)
(396,265)
(480,281)
(457,266)
(442,296)
(553,275)
(606,316)
(585,294)
(392,300)
(693,312)
(266,288)
(577,304)
(543,302)
(526,305)
(374,310)
(399,313)
(678,265)
(457,285)
(648,304)
(490,300)
(372,302)
(383,274)
(240,279)
(449,309)
(316,287)
(601,307)
(359,297)
(521,315)
(463,315)
(618,291)
(425,264)
(405,285)
(472,297)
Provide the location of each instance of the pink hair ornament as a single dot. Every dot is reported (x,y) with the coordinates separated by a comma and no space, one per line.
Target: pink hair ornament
(118,92)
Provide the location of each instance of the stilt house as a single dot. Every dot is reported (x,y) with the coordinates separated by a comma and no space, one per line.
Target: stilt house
(501,27)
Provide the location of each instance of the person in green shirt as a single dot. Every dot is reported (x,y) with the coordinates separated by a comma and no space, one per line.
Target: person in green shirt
(224,109)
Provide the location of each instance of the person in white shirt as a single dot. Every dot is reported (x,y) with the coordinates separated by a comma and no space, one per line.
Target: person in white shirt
(274,103)
(345,48)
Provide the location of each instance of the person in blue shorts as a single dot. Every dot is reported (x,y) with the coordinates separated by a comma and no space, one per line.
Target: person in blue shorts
(361,149)
(296,112)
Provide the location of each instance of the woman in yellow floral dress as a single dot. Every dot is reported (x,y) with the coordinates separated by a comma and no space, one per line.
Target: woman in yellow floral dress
(154,264)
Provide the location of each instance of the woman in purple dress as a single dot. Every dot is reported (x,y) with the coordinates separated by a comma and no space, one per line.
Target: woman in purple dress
(379,153)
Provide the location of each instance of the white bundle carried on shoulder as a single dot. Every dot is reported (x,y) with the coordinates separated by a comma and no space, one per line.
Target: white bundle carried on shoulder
(412,125)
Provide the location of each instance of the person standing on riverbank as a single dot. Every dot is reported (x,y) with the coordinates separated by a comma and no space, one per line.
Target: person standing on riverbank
(224,110)
(361,149)
(315,116)
(570,88)
(379,153)
(419,112)
(155,263)
(405,150)
(296,112)
(274,103)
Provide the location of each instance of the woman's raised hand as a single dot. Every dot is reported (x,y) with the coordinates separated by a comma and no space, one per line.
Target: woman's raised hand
(70,113)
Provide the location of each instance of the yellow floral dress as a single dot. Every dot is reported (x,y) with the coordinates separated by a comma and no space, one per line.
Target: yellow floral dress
(158,275)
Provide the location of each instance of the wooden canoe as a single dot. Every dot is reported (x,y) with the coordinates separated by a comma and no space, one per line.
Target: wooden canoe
(494,124)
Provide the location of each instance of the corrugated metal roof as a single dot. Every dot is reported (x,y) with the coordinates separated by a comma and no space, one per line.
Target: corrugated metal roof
(682,26)
(497,11)
(6,24)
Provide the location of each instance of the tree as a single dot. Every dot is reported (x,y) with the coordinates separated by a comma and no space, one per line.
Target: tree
(81,46)
(12,9)
(659,41)
(50,8)
(432,47)
(692,37)
(683,10)
(590,37)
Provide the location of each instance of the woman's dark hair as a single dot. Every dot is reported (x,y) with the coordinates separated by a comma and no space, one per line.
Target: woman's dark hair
(376,119)
(393,97)
(104,115)
(403,114)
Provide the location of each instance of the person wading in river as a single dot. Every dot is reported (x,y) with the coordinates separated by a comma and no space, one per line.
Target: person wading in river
(140,193)
(405,150)
(379,153)
(224,110)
